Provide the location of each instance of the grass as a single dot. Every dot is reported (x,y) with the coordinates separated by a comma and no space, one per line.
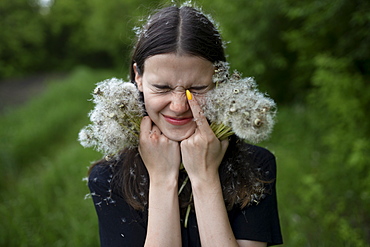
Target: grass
(42,193)
(47,208)
(42,164)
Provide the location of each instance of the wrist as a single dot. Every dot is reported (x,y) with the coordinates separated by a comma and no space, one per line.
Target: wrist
(206,184)
(165,182)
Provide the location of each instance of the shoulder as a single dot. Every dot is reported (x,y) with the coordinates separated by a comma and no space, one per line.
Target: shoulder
(101,172)
(100,177)
(259,219)
(258,152)
(260,159)
(239,147)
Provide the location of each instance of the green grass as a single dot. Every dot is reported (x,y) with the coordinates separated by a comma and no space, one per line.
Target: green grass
(42,166)
(47,208)
(42,193)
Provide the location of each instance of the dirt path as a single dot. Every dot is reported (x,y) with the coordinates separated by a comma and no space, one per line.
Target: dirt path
(17,91)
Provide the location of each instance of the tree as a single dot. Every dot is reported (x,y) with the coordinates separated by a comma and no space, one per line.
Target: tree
(21,38)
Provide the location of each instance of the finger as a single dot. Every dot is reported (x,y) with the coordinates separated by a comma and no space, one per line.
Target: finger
(155,132)
(145,125)
(148,129)
(224,144)
(145,129)
(197,111)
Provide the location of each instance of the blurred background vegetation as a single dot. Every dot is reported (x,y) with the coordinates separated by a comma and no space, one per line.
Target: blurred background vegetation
(311,56)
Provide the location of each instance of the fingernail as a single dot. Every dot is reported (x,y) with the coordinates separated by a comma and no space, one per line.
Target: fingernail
(188,95)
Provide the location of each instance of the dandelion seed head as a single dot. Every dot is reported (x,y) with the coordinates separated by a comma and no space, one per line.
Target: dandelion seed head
(88,196)
(238,104)
(144,180)
(132,172)
(221,72)
(115,118)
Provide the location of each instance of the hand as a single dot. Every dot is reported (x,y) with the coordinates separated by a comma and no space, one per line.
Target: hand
(161,155)
(202,152)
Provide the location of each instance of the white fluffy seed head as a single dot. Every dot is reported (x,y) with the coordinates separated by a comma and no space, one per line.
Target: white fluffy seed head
(115,119)
(238,104)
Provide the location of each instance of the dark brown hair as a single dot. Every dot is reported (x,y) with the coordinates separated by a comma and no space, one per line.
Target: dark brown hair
(183,31)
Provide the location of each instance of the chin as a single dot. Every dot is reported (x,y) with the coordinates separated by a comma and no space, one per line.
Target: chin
(178,137)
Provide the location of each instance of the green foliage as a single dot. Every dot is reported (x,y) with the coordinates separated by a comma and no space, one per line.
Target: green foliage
(42,164)
(95,33)
(337,28)
(254,29)
(21,38)
(46,123)
(331,43)
(273,41)
(46,206)
(340,102)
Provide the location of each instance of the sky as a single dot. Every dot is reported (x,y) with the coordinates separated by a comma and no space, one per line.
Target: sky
(46,3)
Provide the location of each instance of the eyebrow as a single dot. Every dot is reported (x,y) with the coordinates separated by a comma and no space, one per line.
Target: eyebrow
(165,86)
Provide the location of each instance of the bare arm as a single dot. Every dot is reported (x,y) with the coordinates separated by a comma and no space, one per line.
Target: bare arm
(163,216)
(202,154)
(213,222)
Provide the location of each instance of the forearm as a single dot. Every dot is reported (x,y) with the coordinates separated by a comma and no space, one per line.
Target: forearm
(213,222)
(163,217)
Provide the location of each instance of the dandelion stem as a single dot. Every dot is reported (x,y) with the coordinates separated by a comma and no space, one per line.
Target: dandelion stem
(183,185)
(221,131)
(136,124)
(188,211)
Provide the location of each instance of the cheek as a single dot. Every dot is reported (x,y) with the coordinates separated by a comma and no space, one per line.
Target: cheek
(201,99)
(155,103)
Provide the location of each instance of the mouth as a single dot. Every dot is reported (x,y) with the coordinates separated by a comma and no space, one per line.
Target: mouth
(177,121)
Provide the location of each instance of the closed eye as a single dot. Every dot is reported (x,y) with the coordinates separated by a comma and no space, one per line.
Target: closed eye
(162,88)
(199,90)
(159,88)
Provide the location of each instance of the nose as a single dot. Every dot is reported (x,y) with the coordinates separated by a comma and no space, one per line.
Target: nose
(179,103)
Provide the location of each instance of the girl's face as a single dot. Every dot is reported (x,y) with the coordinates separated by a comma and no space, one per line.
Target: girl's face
(163,83)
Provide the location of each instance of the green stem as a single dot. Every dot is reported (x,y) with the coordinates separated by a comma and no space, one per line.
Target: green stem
(188,211)
(183,185)
(221,131)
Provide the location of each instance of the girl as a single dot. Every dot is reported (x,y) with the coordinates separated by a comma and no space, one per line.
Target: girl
(231,188)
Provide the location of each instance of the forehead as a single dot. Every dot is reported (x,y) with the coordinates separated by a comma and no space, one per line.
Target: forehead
(178,70)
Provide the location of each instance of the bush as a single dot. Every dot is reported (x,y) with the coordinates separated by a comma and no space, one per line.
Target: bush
(339,104)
